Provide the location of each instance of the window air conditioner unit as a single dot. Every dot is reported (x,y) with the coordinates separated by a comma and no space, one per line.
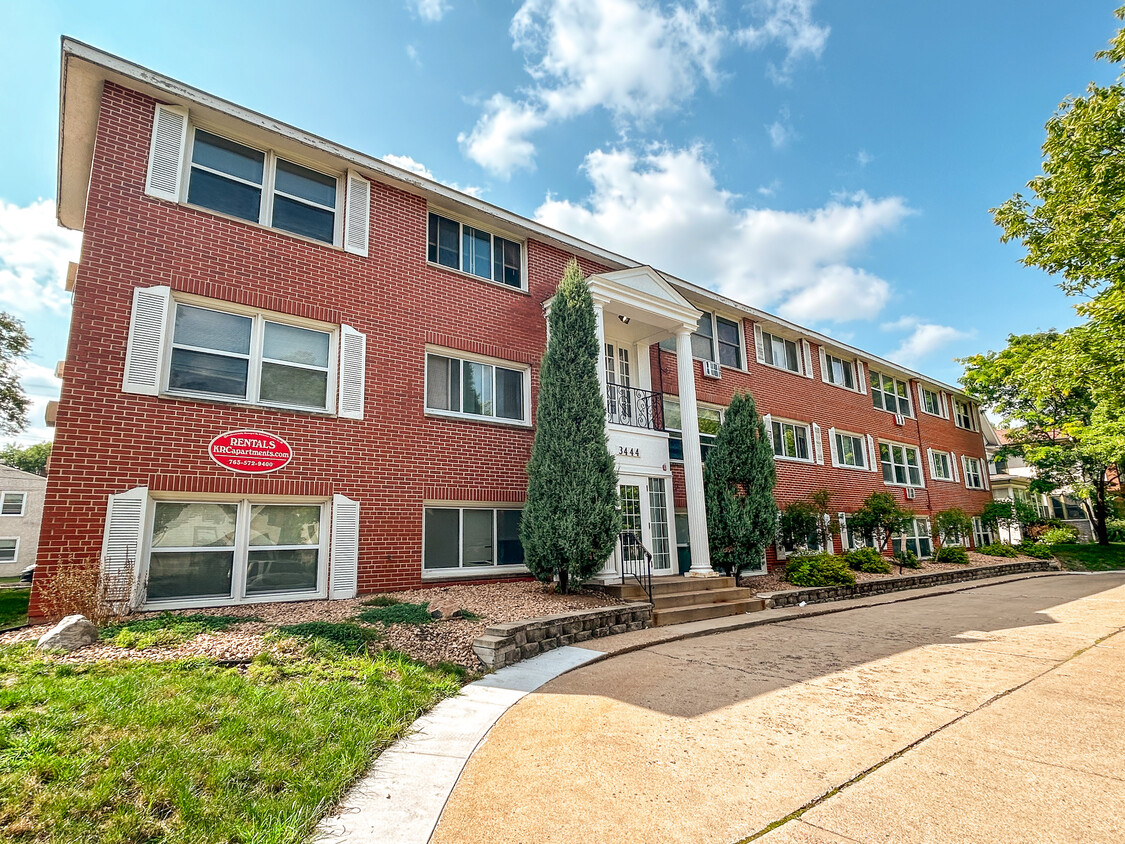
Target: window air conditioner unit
(899,419)
(711,369)
(910,492)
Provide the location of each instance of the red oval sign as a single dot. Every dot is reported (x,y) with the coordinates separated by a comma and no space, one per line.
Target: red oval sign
(252,452)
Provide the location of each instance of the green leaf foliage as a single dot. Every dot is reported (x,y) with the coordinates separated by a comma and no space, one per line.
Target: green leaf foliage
(738,481)
(14,346)
(952,554)
(907,559)
(867,560)
(819,570)
(396,614)
(998,549)
(952,525)
(570,521)
(879,518)
(31,459)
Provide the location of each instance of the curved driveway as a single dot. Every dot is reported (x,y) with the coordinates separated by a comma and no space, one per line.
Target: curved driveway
(992,714)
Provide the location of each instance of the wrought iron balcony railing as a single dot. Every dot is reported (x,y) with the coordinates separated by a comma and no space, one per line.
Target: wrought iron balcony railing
(634,407)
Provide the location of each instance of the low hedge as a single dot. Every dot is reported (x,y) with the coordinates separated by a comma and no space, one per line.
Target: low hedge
(867,560)
(998,549)
(952,554)
(819,570)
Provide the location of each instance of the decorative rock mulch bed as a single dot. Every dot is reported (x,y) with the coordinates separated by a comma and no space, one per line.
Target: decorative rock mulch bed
(441,641)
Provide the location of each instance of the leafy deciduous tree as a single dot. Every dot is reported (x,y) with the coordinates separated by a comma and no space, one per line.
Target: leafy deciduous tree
(952,526)
(879,518)
(14,346)
(31,459)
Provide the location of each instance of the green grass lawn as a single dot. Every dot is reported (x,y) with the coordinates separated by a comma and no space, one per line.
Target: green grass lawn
(190,752)
(13,607)
(1091,557)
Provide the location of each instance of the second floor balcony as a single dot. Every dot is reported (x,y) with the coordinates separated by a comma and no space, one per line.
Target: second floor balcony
(634,407)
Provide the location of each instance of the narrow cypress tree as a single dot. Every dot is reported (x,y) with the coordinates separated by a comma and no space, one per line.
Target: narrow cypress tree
(738,482)
(570,521)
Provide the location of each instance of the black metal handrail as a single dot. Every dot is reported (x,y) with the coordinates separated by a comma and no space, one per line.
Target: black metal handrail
(634,407)
(635,560)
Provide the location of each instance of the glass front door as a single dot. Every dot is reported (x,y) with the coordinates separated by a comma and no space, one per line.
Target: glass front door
(645,516)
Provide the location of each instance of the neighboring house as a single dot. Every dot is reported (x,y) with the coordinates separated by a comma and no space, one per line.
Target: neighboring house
(1011,480)
(21,514)
(252,297)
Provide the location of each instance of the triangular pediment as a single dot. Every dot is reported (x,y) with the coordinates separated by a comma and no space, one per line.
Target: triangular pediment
(645,281)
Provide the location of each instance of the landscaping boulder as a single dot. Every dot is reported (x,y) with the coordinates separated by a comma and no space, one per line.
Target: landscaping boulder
(444,609)
(70,634)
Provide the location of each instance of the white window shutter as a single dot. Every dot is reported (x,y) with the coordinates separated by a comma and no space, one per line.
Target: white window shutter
(343,573)
(818,445)
(984,464)
(144,355)
(823,365)
(357,214)
(832,447)
(944,407)
(759,344)
(166,153)
(862,379)
(953,460)
(767,420)
(873,462)
(353,372)
(930,461)
(965,470)
(806,350)
(121,546)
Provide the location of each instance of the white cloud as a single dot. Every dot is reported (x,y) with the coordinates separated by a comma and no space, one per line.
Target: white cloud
(412,54)
(781,131)
(924,340)
(665,208)
(770,189)
(405,162)
(635,58)
(788,23)
(34,253)
(863,158)
(429,10)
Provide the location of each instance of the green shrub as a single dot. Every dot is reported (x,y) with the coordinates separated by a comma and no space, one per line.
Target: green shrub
(867,560)
(1116,529)
(348,637)
(998,549)
(819,570)
(951,554)
(1035,549)
(397,614)
(907,559)
(1064,535)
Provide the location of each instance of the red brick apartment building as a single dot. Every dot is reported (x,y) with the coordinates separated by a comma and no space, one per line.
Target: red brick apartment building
(253,297)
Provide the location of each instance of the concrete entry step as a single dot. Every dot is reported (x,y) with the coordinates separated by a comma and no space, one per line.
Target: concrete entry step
(710,596)
(699,612)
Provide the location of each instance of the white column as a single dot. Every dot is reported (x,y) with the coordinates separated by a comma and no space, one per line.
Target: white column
(693,459)
(599,329)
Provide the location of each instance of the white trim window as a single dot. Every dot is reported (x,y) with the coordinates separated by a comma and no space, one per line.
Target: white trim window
(464,247)
(779,352)
(849,451)
(471,538)
(932,402)
(942,465)
(890,394)
(963,416)
(9,549)
(255,359)
(982,535)
(206,552)
(710,420)
(837,371)
(791,440)
(260,187)
(917,539)
(475,388)
(901,466)
(717,339)
(851,539)
(971,469)
(13,503)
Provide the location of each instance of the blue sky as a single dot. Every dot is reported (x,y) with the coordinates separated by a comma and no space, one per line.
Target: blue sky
(831,162)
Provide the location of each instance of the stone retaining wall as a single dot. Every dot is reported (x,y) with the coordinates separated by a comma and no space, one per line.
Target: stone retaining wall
(793,597)
(504,644)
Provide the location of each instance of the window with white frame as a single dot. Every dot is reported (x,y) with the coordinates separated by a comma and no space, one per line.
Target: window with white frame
(982,534)
(900,464)
(972,471)
(710,420)
(234,550)
(932,401)
(471,538)
(839,371)
(9,550)
(716,339)
(849,450)
(12,503)
(850,538)
(781,352)
(250,358)
(916,538)
(890,394)
(462,246)
(791,440)
(261,187)
(941,466)
(474,388)
(963,416)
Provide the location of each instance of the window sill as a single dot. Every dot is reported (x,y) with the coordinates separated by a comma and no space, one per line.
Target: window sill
(200,603)
(491,282)
(935,415)
(795,460)
(963,428)
(904,486)
(843,387)
(777,368)
(893,413)
(235,402)
(485,420)
(853,468)
(944,480)
(335,247)
(473,573)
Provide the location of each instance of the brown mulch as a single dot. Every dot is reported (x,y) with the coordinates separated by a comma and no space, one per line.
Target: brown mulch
(441,641)
(775,580)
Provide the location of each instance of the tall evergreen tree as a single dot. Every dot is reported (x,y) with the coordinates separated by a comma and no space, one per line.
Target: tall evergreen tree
(738,481)
(570,521)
